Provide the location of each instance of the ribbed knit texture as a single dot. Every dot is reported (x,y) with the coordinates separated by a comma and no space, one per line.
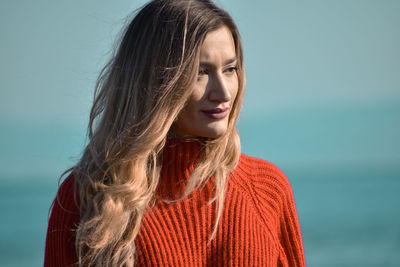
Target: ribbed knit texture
(258,227)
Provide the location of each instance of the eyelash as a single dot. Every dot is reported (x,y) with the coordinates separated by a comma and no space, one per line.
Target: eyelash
(230,69)
(201,72)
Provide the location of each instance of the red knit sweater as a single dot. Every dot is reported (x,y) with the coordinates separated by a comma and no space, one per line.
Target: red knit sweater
(258,227)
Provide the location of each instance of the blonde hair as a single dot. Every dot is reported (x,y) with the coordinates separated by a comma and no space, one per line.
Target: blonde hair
(139,94)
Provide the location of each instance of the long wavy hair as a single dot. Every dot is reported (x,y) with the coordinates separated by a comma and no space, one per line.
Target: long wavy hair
(138,96)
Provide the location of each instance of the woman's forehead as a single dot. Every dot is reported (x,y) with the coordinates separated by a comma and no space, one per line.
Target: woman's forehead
(218,44)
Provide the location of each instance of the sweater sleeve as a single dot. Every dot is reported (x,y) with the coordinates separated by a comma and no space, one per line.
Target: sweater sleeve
(63,221)
(290,235)
(275,194)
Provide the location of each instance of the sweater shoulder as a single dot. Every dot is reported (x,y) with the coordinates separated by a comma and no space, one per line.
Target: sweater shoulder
(62,225)
(66,202)
(265,183)
(272,196)
(262,175)
(67,192)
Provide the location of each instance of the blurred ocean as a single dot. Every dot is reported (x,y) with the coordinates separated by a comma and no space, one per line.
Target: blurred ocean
(348,217)
(24,221)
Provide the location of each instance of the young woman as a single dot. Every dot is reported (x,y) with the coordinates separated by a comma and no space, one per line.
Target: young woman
(162,181)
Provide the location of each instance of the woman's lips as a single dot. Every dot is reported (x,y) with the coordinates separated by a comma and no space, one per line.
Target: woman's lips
(216,113)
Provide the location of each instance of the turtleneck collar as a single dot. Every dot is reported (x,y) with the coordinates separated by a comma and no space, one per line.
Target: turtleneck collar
(180,157)
(185,151)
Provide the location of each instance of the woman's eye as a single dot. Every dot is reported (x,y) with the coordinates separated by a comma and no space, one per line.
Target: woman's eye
(231,69)
(203,72)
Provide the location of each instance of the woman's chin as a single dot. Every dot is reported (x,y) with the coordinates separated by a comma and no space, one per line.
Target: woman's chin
(210,130)
(214,131)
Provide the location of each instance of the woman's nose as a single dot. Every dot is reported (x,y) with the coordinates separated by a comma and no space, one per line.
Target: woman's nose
(219,89)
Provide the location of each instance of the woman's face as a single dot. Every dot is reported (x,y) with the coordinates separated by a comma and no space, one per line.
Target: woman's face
(206,113)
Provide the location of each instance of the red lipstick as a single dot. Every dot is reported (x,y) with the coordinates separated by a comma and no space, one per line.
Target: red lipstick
(216,113)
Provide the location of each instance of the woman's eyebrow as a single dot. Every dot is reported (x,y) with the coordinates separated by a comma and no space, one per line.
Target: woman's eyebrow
(226,62)
(231,60)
